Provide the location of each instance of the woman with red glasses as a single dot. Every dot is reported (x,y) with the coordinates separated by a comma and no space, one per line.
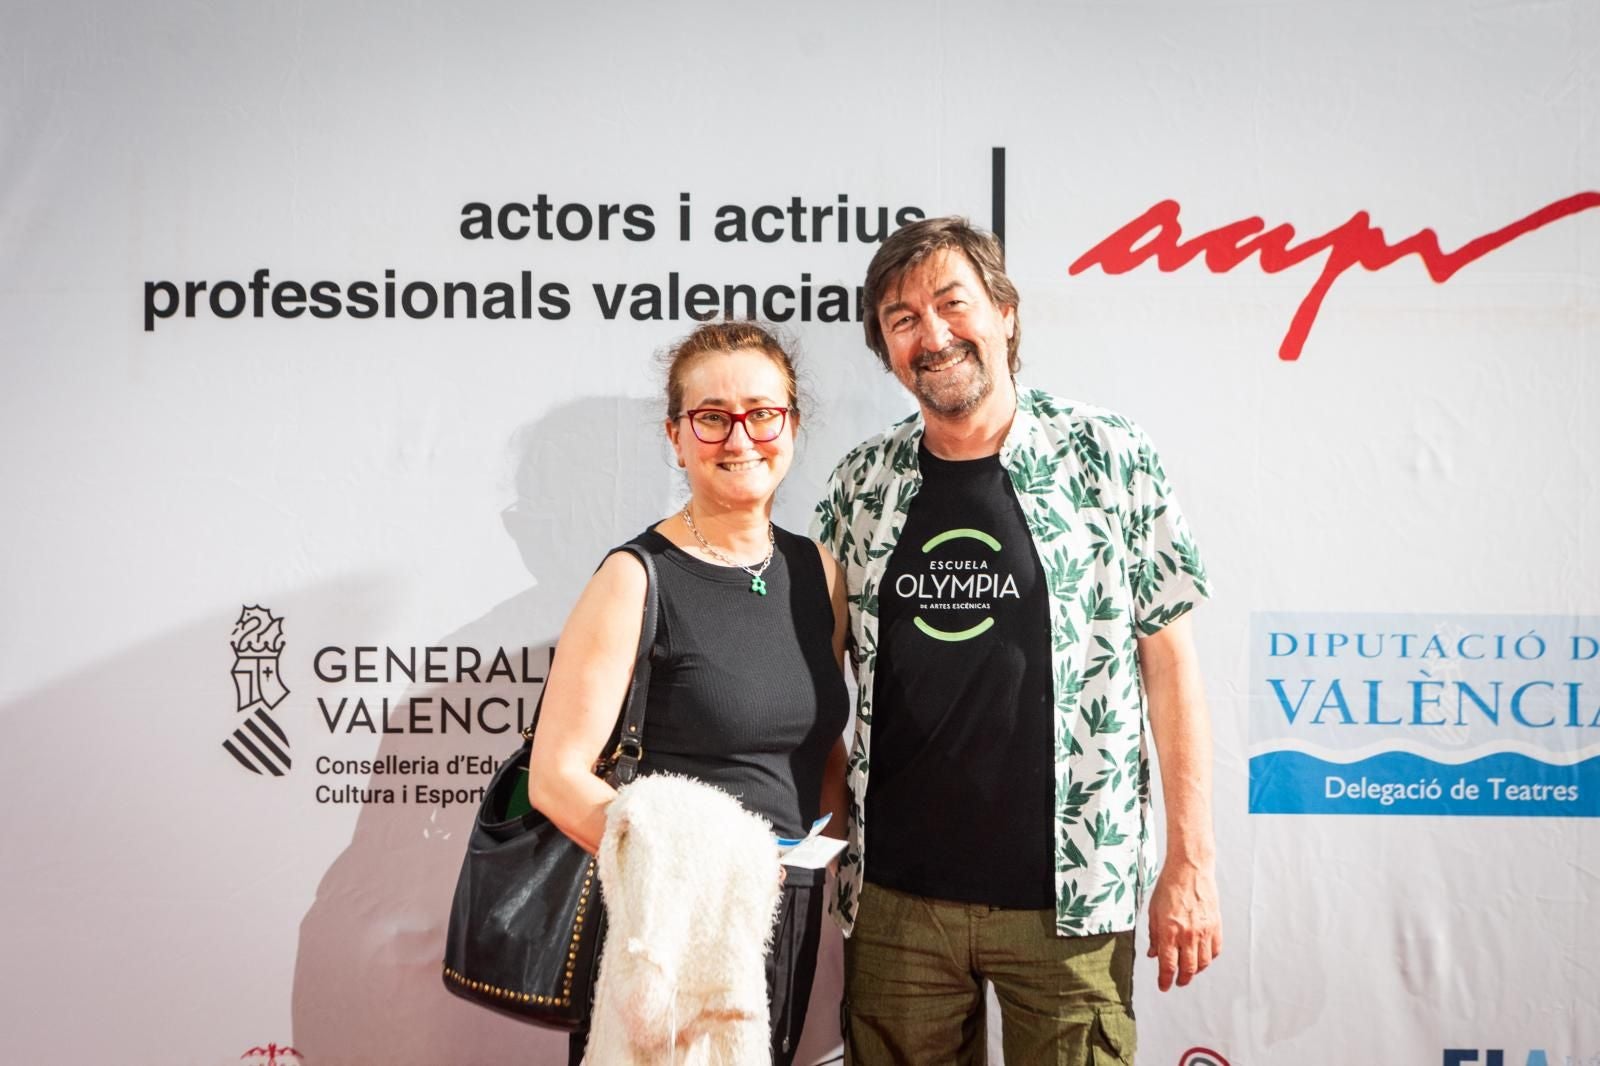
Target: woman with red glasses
(746,692)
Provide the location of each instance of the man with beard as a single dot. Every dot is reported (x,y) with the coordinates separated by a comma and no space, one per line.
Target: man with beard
(1019,576)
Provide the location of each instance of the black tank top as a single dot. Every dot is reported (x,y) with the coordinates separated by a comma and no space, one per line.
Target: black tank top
(744,690)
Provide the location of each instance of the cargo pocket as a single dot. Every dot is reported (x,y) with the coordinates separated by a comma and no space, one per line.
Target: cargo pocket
(1112,1040)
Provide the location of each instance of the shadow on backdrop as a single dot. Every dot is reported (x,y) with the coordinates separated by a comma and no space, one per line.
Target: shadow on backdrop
(367,989)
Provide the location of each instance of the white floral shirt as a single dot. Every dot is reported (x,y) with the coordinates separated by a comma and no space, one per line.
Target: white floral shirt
(1118,563)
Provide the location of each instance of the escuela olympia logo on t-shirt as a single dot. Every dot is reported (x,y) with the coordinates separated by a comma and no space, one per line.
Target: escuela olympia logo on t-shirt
(961,585)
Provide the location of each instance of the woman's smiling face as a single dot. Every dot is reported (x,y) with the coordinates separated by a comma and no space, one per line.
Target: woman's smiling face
(738,471)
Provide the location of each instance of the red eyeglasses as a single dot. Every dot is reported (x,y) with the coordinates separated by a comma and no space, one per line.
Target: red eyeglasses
(713,425)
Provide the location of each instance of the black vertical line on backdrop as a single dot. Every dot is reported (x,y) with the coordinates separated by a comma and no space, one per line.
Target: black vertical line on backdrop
(997,193)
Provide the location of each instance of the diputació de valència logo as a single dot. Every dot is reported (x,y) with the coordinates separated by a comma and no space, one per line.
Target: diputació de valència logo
(1425,714)
(258,742)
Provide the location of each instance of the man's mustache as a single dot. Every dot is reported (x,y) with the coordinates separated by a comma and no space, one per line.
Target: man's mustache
(927,359)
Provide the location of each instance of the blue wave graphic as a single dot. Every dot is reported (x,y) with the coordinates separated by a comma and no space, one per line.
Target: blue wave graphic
(1502,785)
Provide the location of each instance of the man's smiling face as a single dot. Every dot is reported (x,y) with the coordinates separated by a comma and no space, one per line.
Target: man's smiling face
(947,338)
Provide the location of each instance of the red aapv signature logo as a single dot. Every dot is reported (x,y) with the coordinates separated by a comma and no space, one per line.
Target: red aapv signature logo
(1157,235)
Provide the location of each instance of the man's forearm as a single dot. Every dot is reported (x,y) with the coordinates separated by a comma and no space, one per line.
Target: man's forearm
(1185,918)
(1181,727)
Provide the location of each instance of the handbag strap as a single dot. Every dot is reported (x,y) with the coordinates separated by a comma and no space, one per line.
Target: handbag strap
(630,730)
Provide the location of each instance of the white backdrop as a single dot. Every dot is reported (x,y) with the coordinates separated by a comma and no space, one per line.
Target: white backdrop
(1428,464)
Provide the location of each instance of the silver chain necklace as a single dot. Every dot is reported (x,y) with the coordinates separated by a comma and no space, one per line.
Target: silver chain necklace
(757,585)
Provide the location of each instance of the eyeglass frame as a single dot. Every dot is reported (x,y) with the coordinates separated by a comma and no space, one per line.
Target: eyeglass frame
(737,420)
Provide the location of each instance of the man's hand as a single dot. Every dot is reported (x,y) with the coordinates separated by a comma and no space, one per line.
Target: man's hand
(1185,922)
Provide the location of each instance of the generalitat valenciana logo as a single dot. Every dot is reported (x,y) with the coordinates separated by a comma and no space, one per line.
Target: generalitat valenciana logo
(258,743)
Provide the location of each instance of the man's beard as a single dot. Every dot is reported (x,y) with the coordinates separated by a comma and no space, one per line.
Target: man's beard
(952,393)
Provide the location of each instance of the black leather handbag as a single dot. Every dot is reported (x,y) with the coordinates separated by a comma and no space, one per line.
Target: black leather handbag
(526,923)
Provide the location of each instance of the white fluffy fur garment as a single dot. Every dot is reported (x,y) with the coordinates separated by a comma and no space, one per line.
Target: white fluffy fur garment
(691,885)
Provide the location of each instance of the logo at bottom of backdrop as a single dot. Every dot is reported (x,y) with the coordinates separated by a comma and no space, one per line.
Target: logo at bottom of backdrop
(1202,1056)
(1456,1056)
(272,1055)
(258,743)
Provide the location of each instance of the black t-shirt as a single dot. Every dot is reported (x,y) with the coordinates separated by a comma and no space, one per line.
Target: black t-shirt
(962,788)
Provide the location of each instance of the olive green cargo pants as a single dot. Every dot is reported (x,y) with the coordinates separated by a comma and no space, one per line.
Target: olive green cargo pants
(914,975)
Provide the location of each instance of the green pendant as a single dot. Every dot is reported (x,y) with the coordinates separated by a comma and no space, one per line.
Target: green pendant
(758,586)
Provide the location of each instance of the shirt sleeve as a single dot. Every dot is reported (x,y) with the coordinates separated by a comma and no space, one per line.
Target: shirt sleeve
(1164,568)
(829,524)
